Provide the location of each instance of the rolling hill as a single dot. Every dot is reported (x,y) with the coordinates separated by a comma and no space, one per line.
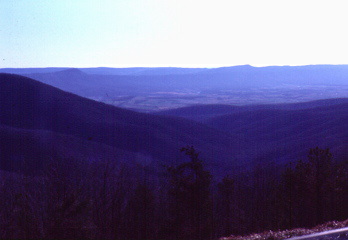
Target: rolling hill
(30,105)
(202,113)
(32,151)
(229,138)
(278,132)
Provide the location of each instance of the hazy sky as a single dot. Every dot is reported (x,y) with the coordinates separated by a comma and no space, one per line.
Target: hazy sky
(187,33)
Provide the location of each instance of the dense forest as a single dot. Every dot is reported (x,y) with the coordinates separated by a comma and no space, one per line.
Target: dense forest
(103,200)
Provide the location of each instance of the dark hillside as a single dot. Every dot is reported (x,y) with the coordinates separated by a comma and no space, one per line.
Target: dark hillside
(286,132)
(277,132)
(28,104)
(31,151)
(203,113)
(74,168)
(261,123)
(248,133)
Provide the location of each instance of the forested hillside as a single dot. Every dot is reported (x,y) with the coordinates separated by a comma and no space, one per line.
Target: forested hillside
(74,168)
(101,200)
(28,104)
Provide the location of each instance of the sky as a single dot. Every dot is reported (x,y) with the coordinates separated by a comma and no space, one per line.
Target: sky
(177,33)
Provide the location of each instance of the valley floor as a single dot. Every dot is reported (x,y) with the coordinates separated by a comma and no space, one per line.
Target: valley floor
(176,99)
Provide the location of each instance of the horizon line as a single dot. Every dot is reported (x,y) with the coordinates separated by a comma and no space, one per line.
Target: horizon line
(188,66)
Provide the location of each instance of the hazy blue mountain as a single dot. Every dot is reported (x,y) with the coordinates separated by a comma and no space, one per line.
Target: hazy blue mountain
(31,70)
(163,88)
(309,74)
(237,76)
(142,71)
(113,71)
(133,71)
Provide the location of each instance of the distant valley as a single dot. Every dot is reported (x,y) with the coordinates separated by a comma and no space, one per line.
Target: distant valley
(153,89)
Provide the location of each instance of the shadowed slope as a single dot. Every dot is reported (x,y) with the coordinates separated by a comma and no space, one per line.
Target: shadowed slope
(31,151)
(279,132)
(28,104)
(227,142)
(286,134)
(270,123)
(202,113)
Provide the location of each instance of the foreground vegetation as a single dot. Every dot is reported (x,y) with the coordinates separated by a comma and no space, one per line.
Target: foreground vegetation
(102,200)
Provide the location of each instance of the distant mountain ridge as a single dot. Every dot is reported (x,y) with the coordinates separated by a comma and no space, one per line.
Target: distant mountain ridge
(32,70)
(110,71)
(308,74)
(148,89)
(322,68)
(159,88)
